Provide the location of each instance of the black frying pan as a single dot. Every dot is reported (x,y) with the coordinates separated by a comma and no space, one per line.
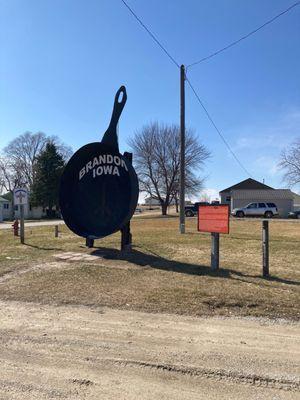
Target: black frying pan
(99,187)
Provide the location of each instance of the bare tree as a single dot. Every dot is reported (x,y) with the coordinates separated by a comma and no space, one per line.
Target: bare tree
(11,177)
(157,161)
(290,162)
(23,151)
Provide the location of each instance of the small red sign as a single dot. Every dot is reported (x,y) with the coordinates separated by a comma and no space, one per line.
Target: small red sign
(213,219)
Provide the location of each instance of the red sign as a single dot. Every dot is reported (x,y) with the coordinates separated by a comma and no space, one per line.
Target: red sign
(213,219)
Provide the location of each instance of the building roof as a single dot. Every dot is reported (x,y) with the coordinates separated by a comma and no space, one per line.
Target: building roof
(247,184)
(3,200)
(263,195)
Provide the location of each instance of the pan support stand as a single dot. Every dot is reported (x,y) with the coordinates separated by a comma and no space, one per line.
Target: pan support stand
(126,236)
(89,243)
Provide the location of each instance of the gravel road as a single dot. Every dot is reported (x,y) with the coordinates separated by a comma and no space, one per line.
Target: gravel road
(75,352)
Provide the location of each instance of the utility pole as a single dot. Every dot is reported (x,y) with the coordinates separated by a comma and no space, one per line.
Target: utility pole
(182,150)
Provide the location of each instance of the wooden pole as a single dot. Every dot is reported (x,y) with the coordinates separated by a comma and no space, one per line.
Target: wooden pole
(56,231)
(215,245)
(22,229)
(265,248)
(182,150)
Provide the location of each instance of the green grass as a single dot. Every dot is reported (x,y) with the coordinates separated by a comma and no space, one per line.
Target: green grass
(166,271)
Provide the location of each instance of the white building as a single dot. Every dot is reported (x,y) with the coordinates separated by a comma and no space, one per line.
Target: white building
(10,212)
(4,208)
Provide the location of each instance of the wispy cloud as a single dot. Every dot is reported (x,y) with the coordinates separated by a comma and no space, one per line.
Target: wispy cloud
(267,165)
(277,134)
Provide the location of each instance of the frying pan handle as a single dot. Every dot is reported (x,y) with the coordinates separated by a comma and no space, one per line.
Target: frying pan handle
(118,107)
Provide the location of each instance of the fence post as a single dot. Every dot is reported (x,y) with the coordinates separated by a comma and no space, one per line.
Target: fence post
(265,248)
(56,231)
(215,242)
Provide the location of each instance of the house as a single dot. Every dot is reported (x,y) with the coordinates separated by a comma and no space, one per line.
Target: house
(151,201)
(296,201)
(247,184)
(10,212)
(250,191)
(4,208)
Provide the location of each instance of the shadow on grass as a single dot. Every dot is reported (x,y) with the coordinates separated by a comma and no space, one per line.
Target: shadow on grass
(43,248)
(154,260)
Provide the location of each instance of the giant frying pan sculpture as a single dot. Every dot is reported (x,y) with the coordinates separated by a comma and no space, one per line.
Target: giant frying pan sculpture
(99,187)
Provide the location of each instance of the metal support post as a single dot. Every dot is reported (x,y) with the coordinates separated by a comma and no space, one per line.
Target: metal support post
(89,243)
(22,229)
(126,236)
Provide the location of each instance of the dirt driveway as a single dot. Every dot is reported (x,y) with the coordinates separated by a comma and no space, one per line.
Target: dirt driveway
(76,352)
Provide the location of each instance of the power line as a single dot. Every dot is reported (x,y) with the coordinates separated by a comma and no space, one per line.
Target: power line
(217,129)
(151,34)
(244,37)
(202,105)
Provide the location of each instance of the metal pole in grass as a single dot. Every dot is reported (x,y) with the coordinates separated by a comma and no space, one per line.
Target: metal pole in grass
(22,229)
(265,248)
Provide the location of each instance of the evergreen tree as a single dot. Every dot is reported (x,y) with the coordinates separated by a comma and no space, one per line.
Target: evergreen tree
(48,170)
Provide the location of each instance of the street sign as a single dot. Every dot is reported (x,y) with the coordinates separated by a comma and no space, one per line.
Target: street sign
(214,219)
(20,196)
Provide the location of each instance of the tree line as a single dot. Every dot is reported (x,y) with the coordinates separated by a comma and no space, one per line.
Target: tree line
(36,161)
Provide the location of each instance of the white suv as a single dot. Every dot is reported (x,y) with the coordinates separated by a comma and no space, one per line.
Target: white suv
(267,210)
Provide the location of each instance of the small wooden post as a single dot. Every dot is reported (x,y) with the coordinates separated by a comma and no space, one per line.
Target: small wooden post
(265,248)
(56,231)
(22,229)
(215,242)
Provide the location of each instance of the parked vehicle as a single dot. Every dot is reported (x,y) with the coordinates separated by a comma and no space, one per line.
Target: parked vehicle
(294,214)
(192,209)
(267,210)
(138,211)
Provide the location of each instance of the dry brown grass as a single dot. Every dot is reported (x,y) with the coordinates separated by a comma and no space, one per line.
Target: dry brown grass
(166,271)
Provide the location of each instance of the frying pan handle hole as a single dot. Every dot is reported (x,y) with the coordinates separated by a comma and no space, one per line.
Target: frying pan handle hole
(121,97)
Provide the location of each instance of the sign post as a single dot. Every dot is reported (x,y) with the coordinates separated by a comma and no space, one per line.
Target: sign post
(21,199)
(215,242)
(214,219)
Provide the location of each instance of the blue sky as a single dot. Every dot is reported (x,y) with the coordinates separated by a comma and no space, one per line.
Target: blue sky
(61,62)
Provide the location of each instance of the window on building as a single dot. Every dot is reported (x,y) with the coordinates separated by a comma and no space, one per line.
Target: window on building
(6,206)
(16,208)
(228,198)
